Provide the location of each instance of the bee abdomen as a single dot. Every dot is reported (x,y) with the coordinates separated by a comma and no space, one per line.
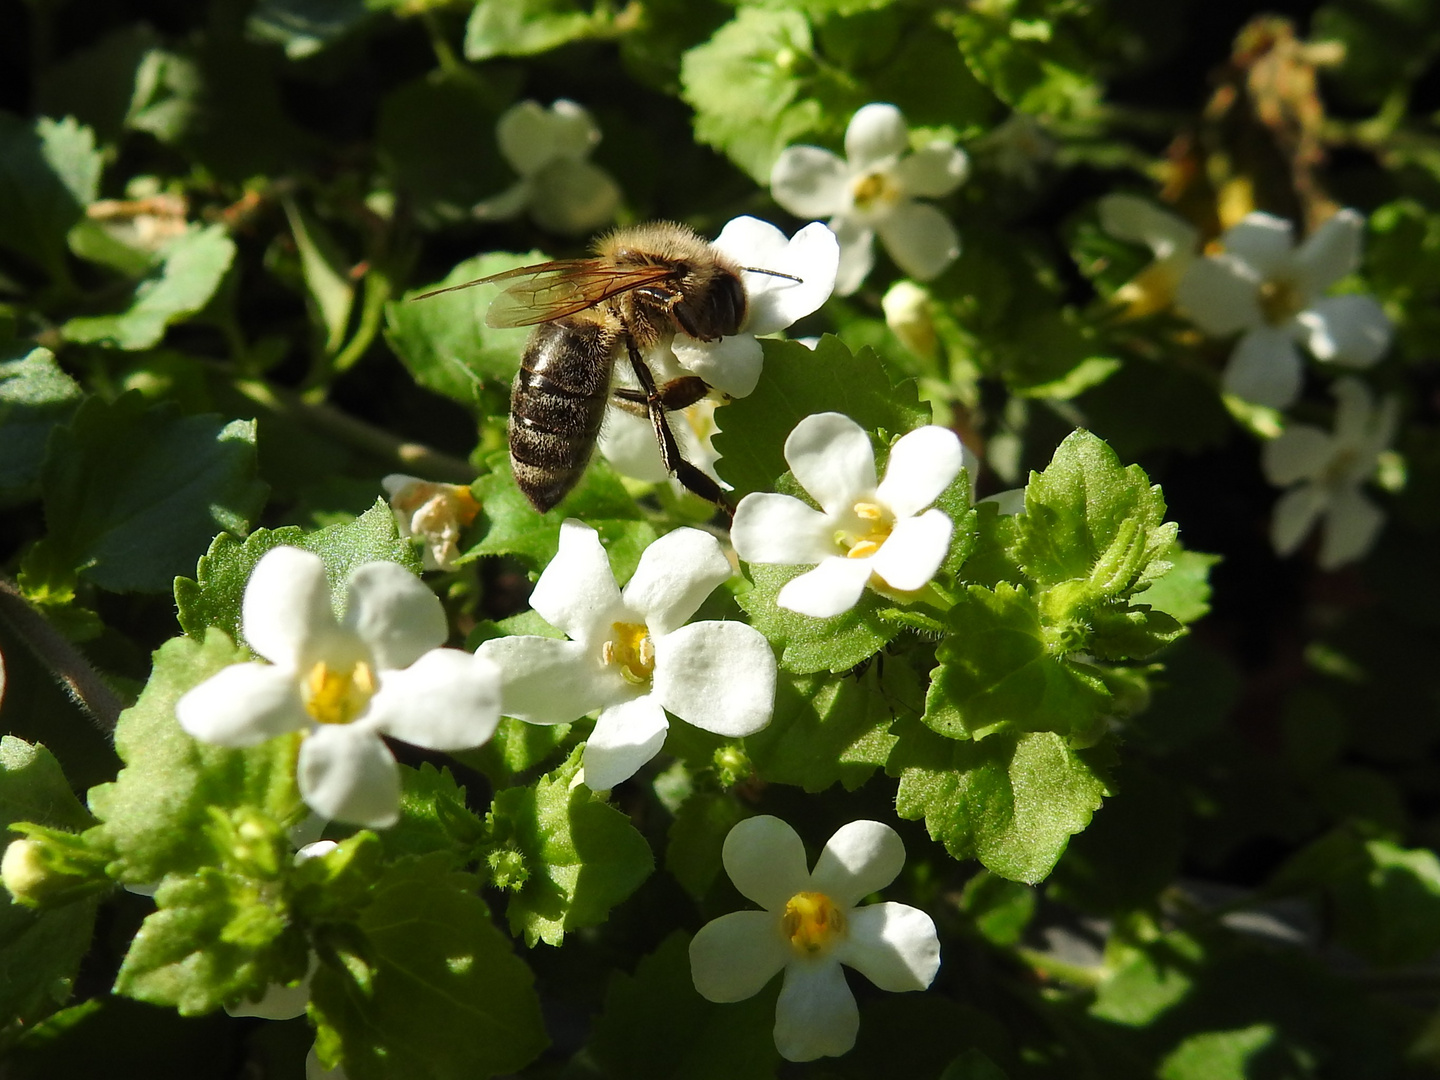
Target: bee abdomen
(556,406)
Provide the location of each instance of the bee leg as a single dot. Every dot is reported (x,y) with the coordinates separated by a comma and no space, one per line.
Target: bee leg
(676,394)
(688,475)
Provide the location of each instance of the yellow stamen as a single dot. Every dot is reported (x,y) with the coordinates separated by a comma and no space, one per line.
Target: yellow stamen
(872,188)
(877,521)
(1280,301)
(337,696)
(632,651)
(812,922)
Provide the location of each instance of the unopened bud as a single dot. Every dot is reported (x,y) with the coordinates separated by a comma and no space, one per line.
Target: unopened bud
(907,313)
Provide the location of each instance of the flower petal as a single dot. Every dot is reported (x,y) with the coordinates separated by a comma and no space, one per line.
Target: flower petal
(346,773)
(816,1014)
(876,132)
(717,675)
(674,576)
(447,700)
(286,610)
(920,239)
(862,857)
(922,464)
(531,136)
(577,591)
(392,611)
(766,861)
(546,681)
(242,705)
(733,957)
(1330,252)
(812,255)
(936,170)
(1265,368)
(893,945)
(731,365)
(914,551)
(1294,516)
(857,253)
(1300,452)
(1140,221)
(771,528)
(625,737)
(573,197)
(628,443)
(508,204)
(1351,526)
(1220,294)
(831,588)
(1352,330)
(1263,242)
(810,182)
(833,461)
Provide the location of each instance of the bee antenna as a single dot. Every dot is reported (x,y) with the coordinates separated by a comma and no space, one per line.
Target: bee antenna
(772,273)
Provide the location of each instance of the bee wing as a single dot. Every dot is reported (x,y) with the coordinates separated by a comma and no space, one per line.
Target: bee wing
(554,290)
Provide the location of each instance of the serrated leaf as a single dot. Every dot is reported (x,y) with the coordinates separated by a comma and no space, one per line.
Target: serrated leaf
(516,746)
(213,597)
(835,728)
(182,284)
(1030,62)
(525,27)
(999,671)
(1012,801)
(582,855)
(153,816)
(807,644)
(1183,592)
(433,817)
(133,494)
(49,173)
(703,1041)
(35,397)
(797,383)
(695,839)
(446,999)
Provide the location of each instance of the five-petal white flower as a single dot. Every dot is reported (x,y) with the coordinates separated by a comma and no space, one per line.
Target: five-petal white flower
(563,192)
(432,512)
(862,529)
(631,653)
(1327,471)
(731,365)
(874,191)
(346,682)
(1171,239)
(810,926)
(1265,286)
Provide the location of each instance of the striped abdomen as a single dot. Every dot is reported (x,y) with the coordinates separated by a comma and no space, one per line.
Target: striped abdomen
(556,406)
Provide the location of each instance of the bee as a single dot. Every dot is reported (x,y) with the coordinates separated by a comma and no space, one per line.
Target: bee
(644,284)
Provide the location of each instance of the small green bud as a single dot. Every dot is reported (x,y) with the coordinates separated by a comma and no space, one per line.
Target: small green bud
(49,868)
(507,869)
(733,765)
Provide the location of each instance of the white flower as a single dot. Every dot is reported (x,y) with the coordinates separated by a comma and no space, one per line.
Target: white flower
(563,192)
(875,191)
(1171,239)
(631,655)
(1271,290)
(810,926)
(345,682)
(731,365)
(862,529)
(434,513)
(1327,471)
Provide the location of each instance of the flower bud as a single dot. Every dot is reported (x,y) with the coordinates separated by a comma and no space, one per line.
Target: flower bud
(907,313)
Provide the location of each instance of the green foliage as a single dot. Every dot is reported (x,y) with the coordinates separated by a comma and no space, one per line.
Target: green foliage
(49,173)
(36,396)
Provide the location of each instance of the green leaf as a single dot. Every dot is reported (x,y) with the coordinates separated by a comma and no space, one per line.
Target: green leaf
(516,746)
(49,173)
(701,1041)
(331,291)
(179,286)
(582,855)
(133,494)
(1023,51)
(304,27)
(213,597)
(433,817)
(830,728)
(807,644)
(97,84)
(35,397)
(443,340)
(696,837)
(40,950)
(154,815)
(1002,670)
(1000,909)
(444,996)
(525,27)
(797,383)
(973,1065)
(1012,801)
(1218,1055)
(757,86)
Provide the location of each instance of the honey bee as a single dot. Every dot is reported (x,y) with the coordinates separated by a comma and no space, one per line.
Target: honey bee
(644,284)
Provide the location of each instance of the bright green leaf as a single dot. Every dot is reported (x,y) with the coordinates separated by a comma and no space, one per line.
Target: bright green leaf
(49,173)
(695,839)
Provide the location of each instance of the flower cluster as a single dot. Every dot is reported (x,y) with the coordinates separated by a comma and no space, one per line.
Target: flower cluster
(433,513)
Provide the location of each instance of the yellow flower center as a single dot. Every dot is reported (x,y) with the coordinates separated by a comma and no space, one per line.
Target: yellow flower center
(874,190)
(1280,301)
(632,651)
(812,922)
(876,523)
(337,696)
